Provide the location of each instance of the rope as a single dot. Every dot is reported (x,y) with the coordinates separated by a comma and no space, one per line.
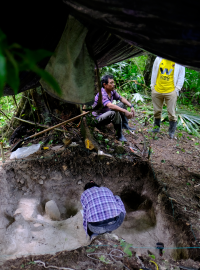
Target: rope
(40,263)
(155,264)
(111,256)
(170,248)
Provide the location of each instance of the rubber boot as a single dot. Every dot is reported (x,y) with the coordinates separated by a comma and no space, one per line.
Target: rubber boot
(172,129)
(125,122)
(118,128)
(156,125)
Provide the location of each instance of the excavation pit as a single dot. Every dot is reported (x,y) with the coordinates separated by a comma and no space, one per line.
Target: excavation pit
(26,229)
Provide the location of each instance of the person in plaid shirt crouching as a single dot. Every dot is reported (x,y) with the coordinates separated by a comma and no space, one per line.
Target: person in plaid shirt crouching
(102,211)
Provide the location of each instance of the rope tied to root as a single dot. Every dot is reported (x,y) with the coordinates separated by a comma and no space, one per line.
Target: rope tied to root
(40,263)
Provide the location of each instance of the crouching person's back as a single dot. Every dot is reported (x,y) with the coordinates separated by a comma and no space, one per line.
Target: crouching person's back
(102,211)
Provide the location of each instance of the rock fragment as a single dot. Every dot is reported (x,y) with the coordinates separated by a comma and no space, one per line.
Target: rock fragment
(52,210)
(22,181)
(56,176)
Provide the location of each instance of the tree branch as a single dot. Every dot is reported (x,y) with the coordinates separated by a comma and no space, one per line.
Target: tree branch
(136,82)
(39,125)
(5,115)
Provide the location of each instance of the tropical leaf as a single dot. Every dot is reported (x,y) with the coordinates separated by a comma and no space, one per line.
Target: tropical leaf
(12,72)
(2,72)
(48,78)
(196,94)
(137,97)
(2,63)
(34,57)
(14,59)
(190,121)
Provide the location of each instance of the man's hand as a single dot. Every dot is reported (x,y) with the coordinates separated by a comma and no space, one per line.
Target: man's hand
(133,111)
(125,101)
(152,87)
(128,114)
(177,91)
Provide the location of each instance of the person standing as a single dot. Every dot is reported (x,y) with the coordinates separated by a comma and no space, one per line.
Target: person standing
(166,81)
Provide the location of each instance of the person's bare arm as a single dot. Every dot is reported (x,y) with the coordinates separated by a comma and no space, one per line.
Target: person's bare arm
(113,107)
(125,101)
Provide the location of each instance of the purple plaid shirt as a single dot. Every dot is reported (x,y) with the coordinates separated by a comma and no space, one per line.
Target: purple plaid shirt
(100,204)
(105,100)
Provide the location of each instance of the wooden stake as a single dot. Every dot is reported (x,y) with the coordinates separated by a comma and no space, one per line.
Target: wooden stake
(2,152)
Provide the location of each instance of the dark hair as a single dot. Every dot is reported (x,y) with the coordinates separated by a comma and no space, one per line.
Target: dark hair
(90,185)
(105,78)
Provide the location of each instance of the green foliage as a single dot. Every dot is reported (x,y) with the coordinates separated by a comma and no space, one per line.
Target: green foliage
(152,256)
(7,105)
(191,88)
(14,58)
(100,136)
(29,144)
(31,263)
(188,120)
(90,250)
(125,72)
(126,246)
(192,81)
(103,259)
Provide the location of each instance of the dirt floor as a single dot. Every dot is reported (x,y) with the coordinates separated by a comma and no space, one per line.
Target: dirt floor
(99,256)
(170,178)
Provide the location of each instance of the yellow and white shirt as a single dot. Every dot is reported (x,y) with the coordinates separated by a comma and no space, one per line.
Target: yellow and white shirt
(179,74)
(165,77)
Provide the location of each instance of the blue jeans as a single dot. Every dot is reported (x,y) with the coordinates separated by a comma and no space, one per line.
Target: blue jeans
(109,226)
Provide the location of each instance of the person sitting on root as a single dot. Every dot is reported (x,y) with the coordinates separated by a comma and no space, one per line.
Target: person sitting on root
(117,114)
(166,81)
(102,211)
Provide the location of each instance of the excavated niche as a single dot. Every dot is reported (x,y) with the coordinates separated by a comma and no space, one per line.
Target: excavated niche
(26,187)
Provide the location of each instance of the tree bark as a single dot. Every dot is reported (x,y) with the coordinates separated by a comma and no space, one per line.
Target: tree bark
(148,68)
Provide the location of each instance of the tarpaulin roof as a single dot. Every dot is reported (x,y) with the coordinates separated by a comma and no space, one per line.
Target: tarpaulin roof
(117,29)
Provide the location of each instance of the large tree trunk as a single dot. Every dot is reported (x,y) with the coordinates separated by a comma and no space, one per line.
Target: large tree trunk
(38,107)
(148,68)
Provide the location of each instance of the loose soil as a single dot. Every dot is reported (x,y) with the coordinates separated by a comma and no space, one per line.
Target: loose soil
(84,258)
(167,183)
